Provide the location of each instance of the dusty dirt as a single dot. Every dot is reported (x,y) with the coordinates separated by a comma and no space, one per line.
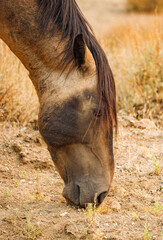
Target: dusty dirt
(31,204)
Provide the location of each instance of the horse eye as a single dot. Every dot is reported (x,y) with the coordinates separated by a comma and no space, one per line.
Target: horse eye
(97,113)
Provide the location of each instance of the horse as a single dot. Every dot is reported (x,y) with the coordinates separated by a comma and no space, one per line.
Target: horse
(75,87)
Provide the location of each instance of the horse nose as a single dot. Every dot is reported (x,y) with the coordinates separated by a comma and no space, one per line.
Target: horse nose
(71,193)
(82,195)
(100,198)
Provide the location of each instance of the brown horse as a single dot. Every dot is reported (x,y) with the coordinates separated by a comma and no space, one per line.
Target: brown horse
(75,87)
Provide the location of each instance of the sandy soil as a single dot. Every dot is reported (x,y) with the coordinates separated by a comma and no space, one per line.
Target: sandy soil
(31,204)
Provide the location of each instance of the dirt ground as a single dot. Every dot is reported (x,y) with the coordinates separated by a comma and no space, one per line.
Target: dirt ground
(31,203)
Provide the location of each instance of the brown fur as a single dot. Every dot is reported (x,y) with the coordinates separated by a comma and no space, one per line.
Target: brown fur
(74,84)
(66,17)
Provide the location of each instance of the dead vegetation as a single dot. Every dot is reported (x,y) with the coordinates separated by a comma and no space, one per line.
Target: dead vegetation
(135,49)
(144,5)
(18,99)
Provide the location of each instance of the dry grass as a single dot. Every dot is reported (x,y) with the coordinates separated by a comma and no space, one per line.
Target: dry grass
(136,56)
(135,50)
(18,100)
(144,5)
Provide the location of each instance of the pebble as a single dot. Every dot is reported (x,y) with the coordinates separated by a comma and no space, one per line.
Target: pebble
(126,168)
(3,169)
(17,147)
(64,214)
(22,181)
(115,206)
(118,167)
(106,224)
(38,223)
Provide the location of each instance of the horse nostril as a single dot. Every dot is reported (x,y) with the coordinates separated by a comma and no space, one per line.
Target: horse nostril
(78,190)
(71,193)
(101,197)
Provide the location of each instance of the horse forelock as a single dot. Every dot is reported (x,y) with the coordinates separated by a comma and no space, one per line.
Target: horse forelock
(65,16)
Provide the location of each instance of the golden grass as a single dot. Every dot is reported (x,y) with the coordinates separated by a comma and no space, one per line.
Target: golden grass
(18,100)
(144,5)
(135,50)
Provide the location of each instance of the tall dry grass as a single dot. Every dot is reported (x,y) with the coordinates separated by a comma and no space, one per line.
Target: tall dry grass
(144,5)
(135,49)
(18,100)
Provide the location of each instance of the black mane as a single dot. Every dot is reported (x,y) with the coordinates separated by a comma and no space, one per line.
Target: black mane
(65,16)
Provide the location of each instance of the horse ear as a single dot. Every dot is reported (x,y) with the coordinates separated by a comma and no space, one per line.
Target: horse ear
(79,50)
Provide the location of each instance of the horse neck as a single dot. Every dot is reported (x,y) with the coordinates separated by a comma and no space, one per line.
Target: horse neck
(37,52)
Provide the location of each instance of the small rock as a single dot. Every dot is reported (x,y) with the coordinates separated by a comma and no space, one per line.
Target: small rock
(147,185)
(126,168)
(64,214)
(118,167)
(115,206)
(3,168)
(22,181)
(142,218)
(106,224)
(38,223)
(17,148)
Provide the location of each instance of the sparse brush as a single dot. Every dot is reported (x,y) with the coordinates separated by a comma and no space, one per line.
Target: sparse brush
(157,209)
(157,167)
(135,50)
(146,234)
(38,196)
(144,5)
(18,100)
(137,63)
(7,193)
(91,213)
(161,237)
(31,231)
(93,228)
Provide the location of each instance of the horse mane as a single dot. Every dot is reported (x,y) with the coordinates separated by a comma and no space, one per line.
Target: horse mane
(66,17)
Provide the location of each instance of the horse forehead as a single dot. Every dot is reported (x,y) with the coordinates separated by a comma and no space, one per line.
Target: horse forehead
(66,87)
